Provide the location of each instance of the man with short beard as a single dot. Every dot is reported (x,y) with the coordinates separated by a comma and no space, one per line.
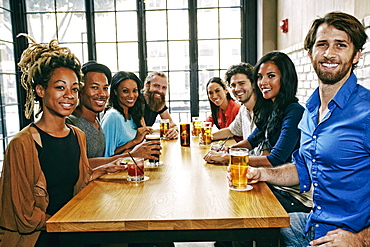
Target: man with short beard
(155,102)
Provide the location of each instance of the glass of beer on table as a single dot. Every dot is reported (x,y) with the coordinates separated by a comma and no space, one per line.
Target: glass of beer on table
(197,125)
(153,137)
(185,134)
(205,134)
(239,162)
(164,126)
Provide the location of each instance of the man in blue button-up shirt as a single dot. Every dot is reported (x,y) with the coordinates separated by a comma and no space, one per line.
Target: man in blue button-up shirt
(334,156)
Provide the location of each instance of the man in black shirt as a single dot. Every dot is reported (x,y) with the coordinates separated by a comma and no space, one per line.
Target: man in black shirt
(155,102)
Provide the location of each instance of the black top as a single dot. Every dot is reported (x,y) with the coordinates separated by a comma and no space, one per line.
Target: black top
(150,115)
(59,160)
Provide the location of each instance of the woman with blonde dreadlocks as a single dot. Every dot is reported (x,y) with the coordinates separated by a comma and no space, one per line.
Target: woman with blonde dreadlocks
(45,164)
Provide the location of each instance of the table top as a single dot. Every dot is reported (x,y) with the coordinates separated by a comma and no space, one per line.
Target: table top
(185,193)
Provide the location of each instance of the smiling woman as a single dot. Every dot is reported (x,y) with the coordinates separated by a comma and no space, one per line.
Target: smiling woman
(123,124)
(36,155)
(223,107)
(45,164)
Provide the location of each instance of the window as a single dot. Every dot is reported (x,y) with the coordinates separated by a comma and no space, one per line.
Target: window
(190,40)
(9,121)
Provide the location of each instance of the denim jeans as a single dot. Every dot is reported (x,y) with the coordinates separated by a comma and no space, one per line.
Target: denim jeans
(293,236)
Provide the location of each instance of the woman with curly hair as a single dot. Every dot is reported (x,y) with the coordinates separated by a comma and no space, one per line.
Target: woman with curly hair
(45,164)
(123,123)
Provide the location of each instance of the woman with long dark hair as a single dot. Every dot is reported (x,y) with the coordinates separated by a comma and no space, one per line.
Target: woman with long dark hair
(123,124)
(223,107)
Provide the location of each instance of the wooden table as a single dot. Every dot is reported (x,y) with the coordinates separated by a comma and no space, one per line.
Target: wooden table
(185,199)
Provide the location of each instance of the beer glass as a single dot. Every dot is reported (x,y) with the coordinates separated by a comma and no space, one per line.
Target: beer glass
(205,134)
(239,162)
(153,137)
(185,134)
(197,125)
(164,126)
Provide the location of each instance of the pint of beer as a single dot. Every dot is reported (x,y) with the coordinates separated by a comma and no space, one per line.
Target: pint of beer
(164,126)
(153,137)
(239,162)
(185,134)
(197,125)
(205,136)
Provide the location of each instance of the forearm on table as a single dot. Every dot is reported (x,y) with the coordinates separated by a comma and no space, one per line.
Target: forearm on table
(127,145)
(242,144)
(258,161)
(98,161)
(284,175)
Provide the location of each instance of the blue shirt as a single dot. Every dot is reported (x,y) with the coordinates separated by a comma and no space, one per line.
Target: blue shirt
(117,130)
(335,158)
(284,141)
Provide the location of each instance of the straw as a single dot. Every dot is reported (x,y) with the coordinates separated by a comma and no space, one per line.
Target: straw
(135,162)
(223,144)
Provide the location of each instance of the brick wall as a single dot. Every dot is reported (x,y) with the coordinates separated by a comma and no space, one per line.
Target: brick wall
(307,79)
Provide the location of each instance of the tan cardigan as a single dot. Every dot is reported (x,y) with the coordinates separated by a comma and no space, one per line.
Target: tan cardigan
(23,194)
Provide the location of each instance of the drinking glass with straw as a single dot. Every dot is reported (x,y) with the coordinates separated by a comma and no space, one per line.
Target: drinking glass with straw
(135,169)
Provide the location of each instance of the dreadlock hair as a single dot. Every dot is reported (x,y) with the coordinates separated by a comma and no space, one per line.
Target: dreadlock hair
(137,111)
(38,63)
(214,108)
(268,115)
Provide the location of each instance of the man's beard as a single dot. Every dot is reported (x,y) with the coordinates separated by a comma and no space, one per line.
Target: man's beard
(330,77)
(155,104)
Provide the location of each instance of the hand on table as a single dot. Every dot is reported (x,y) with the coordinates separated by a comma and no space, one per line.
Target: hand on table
(339,238)
(253,175)
(214,157)
(172,134)
(109,168)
